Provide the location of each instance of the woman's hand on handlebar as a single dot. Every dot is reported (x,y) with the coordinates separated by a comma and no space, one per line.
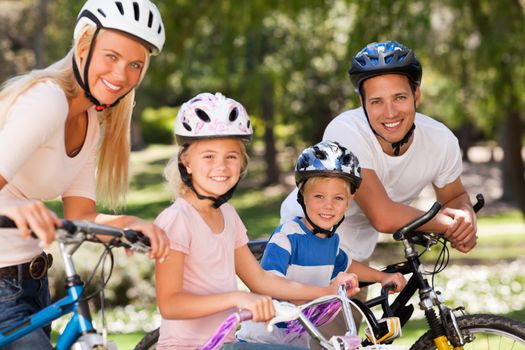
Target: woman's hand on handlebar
(260,306)
(32,216)
(350,280)
(159,241)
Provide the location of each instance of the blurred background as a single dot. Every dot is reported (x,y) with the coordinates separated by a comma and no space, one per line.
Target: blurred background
(287,63)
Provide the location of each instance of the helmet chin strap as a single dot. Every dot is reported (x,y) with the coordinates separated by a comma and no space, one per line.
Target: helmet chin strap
(395,145)
(317,229)
(217,202)
(99,107)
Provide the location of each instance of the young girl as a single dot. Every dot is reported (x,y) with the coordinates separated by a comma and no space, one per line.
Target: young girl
(55,124)
(196,285)
(306,249)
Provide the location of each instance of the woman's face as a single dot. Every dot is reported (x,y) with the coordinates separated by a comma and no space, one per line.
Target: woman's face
(116,65)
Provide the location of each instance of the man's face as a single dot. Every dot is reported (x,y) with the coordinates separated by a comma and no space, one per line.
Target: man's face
(391,107)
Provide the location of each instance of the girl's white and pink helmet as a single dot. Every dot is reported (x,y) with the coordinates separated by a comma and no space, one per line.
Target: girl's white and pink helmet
(211,116)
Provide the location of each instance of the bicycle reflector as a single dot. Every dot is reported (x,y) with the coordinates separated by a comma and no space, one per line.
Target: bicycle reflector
(389,328)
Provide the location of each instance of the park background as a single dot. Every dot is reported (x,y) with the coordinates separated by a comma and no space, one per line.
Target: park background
(287,63)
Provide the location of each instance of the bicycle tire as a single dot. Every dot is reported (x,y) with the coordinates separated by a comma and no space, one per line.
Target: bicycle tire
(490,332)
(149,341)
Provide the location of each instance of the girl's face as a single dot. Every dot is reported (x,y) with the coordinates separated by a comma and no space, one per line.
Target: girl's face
(116,65)
(215,165)
(326,200)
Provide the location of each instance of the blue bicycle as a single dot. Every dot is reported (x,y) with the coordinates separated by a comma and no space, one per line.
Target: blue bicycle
(79,332)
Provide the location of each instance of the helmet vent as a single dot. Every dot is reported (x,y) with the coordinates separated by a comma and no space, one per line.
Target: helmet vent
(234,114)
(159,30)
(120,7)
(102,13)
(136,11)
(150,19)
(187,126)
(203,115)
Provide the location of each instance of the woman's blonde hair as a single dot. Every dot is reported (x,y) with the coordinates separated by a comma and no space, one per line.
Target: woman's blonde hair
(114,148)
(172,173)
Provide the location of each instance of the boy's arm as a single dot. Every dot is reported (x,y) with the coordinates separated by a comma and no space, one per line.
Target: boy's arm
(267,283)
(368,274)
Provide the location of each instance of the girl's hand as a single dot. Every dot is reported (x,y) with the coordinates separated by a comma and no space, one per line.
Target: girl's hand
(260,306)
(159,241)
(32,216)
(351,281)
(397,279)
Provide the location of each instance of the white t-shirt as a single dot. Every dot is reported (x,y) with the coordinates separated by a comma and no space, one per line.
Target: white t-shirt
(34,162)
(433,157)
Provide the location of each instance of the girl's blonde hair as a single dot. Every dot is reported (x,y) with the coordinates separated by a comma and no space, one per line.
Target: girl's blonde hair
(114,149)
(172,173)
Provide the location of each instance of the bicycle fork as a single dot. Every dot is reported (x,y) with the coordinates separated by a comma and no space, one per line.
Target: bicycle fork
(445,330)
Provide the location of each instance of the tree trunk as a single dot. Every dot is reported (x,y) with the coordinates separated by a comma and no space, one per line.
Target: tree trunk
(39,41)
(270,154)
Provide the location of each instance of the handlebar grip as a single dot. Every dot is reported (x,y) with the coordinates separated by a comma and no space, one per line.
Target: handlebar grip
(136,236)
(480,202)
(245,315)
(6,222)
(420,221)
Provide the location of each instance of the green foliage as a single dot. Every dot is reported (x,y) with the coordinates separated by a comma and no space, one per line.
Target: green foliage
(157,125)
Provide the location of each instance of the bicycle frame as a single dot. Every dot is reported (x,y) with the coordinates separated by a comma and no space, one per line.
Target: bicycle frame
(80,322)
(445,330)
(80,327)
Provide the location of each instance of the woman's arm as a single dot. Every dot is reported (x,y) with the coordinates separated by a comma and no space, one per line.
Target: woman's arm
(30,215)
(80,208)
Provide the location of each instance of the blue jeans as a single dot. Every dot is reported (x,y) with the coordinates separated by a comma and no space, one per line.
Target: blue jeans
(21,297)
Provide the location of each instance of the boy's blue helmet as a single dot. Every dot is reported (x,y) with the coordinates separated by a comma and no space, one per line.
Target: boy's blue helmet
(384,58)
(328,158)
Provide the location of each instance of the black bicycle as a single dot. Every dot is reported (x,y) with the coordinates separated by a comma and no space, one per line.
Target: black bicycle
(448,328)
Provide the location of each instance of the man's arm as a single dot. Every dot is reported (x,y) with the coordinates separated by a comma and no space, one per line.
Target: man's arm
(457,205)
(387,216)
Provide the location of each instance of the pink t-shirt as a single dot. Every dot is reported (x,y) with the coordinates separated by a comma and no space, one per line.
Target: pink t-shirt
(209,268)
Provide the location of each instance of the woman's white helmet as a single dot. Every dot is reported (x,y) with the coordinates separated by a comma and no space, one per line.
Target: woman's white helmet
(139,18)
(211,116)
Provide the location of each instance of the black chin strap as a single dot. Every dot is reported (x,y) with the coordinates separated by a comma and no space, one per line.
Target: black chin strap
(217,202)
(85,84)
(317,229)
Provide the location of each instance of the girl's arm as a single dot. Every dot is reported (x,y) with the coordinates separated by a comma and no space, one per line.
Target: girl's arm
(264,282)
(174,303)
(81,208)
(368,274)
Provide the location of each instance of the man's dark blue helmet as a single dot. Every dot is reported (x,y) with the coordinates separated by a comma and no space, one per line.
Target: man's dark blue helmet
(384,58)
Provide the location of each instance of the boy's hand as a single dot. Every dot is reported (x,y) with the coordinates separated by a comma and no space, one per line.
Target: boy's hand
(396,279)
(349,279)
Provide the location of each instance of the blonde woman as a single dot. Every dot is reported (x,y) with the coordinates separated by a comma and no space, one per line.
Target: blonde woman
(59,124)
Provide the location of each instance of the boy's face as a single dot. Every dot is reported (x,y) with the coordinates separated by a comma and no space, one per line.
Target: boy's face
(326,200)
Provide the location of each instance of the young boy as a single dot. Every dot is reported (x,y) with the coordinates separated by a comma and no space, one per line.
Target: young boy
(307,249)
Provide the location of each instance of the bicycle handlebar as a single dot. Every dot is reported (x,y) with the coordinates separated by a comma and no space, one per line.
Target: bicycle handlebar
(126,238)
(426,217)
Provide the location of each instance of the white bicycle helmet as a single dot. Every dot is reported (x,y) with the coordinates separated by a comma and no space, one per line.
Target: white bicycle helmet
(211,116)
(139,18)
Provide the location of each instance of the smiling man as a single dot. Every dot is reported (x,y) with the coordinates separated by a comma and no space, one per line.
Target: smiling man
(400,152)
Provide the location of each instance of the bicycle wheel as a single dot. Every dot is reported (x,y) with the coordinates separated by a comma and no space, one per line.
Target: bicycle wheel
(149,342)
(490,332)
